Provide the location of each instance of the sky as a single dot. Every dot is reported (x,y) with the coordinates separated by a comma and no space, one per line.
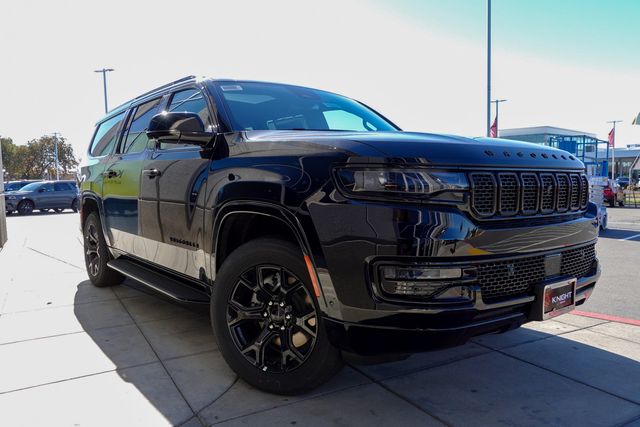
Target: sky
(422,63)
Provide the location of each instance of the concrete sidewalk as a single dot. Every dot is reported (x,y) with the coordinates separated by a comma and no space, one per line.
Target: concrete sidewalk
(73,354)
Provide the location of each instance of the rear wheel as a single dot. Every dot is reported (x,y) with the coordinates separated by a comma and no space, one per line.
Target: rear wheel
(96,254)
(25,207)
(267,322)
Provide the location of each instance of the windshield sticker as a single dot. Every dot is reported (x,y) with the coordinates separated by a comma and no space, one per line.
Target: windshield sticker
(228,88)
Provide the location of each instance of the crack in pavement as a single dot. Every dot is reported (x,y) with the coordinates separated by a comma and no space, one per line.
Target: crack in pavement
(55,258)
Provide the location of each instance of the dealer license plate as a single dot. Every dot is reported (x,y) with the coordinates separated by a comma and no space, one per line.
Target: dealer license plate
(558,298)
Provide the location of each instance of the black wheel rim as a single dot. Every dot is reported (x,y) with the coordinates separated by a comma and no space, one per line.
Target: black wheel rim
(92,255)
(272,319)
(26,207)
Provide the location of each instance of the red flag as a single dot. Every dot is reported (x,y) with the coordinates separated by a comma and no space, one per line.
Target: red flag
(612,137)
(493,130)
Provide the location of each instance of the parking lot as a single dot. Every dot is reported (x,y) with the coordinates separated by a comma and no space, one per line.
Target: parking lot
(73,354)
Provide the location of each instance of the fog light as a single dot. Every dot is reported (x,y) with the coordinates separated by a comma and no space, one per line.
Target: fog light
(421,273)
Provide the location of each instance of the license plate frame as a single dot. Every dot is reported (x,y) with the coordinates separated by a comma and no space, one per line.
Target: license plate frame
(557,298)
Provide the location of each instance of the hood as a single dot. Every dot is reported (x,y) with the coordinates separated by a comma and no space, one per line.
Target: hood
(17,193)
(427,148)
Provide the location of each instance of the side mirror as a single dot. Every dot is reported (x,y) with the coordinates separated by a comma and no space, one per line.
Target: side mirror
(40,190)
(178,128)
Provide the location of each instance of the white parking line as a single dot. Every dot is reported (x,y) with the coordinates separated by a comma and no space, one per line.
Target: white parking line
(630,237)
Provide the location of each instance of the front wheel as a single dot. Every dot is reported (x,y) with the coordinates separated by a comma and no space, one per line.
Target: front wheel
(25,207)
(96,254)
(266,319)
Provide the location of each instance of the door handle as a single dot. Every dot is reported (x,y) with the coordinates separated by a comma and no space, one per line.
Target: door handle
(151,173)
(109,173)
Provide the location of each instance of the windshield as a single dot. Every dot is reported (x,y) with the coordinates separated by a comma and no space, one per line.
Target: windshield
(270,106)
(31,187)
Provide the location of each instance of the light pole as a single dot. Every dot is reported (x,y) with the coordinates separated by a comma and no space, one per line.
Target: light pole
(55,136)
(104,72)
(613,148)
(489,68)
(497,102)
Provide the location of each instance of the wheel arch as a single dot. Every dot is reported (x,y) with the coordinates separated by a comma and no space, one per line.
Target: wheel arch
(251,220)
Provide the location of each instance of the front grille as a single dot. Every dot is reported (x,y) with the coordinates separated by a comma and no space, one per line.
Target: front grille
(511,278)
(510,194)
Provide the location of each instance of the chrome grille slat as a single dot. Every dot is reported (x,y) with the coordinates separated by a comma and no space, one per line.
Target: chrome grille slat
(496,195)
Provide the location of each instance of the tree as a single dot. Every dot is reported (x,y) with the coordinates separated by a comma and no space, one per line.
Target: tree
(8,154)
(37,158)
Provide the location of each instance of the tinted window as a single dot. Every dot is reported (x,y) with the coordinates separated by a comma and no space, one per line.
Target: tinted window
(136,139)
(269,106)
(32,187)
(191,101)
(46,187)
(62,186)
(106,136)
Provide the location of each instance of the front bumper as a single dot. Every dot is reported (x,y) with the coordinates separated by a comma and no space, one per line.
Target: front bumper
(10,205)
(415,330)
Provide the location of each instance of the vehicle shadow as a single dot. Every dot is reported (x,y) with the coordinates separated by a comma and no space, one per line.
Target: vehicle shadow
(617,234)
(521,377)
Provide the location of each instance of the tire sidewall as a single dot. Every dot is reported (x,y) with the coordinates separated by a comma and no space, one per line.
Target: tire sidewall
(320,364)
(105,276)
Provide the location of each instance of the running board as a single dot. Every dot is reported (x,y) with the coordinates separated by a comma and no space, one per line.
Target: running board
(167,286)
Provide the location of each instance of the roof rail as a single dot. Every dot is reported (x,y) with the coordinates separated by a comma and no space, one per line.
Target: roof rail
(159,88)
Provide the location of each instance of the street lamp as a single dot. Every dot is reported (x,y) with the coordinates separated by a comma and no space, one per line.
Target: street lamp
(55,136)
(489,68)
(104,72)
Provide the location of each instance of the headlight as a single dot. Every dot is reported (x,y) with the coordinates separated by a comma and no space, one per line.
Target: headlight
(400,182)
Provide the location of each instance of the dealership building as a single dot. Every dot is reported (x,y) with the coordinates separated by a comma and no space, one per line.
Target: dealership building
(594,152)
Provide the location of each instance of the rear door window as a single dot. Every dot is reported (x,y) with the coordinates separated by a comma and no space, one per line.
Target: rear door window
(106,136)
(61,186)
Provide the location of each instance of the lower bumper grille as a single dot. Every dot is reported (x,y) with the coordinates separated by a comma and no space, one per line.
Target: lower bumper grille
(505,279)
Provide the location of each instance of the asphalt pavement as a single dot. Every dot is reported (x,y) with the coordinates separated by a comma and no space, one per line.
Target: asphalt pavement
(72,354)
(618,291)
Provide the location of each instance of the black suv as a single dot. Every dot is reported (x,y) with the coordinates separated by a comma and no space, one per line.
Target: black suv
(312,224)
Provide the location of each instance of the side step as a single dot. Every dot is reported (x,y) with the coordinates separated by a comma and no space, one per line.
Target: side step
(172,288)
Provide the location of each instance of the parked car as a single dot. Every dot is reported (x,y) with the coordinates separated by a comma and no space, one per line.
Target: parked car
(623,181)
(613,194)
(43,196)
(309,223)
(17,185)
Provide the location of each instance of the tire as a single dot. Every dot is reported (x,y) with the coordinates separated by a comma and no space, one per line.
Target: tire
(74,205)
(25,207)
(247,300)
(96,254)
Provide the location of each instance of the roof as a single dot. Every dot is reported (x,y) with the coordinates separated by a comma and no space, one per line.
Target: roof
(540,130)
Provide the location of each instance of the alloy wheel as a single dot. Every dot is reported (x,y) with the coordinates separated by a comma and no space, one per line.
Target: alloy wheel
(272,318)
(92,241)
